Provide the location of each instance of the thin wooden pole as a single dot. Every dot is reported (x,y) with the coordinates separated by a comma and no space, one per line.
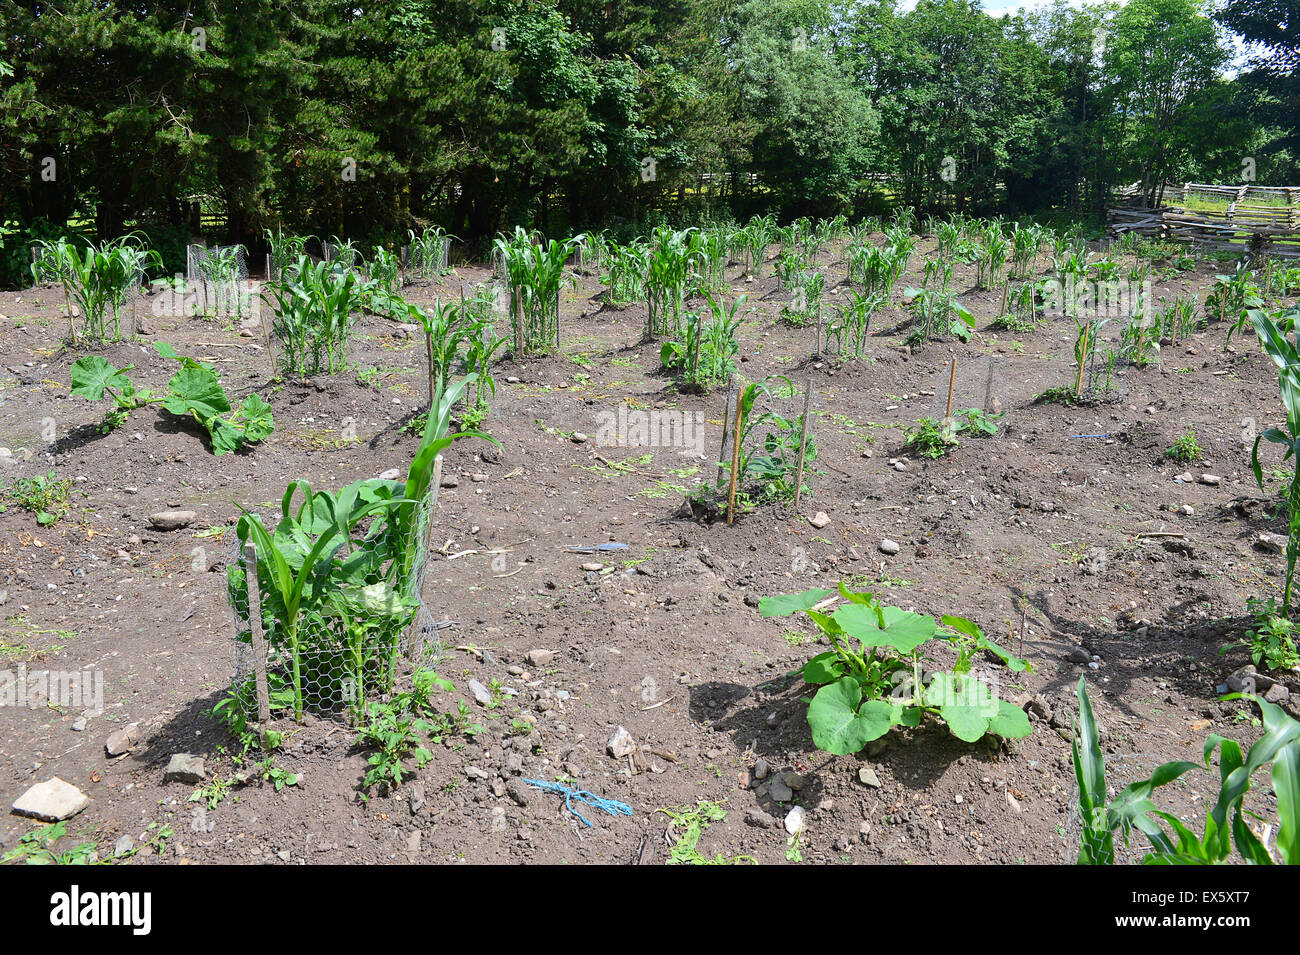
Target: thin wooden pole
(695,364)
(428,354)
(1083,358)
(726,429)
(517,300)
(803,440)
(736,434)
(258,641)
(952,386)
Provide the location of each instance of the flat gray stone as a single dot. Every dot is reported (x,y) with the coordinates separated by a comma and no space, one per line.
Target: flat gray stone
(185,768)
(620,743)
(51,801)
(123,740)
(172,520)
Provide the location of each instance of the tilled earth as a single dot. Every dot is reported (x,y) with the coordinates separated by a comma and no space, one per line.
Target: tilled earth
(1066,537)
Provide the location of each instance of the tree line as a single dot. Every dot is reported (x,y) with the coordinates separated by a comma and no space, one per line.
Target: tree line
(364,119)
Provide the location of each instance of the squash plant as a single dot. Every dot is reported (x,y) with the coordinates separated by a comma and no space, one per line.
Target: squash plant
(871,679)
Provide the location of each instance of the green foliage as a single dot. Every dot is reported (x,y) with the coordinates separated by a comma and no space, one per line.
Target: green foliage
(706,355)
(312,306)
(1271,642)
(1184,448)
(975,422)
(196,391)
(930,438)
(871,679)
(36,847)
(1225,827)
(45,495)
(97,278)
(536,273)
(690,822)
(93,377)
(1286,355)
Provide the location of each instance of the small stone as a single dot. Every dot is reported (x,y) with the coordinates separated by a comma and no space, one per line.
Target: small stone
(185,768)
(620,743)
(957,799)
(578,438)
(79,725)
(1185,477)
(473,772)
(900,465)
(888,546)
(867,776)
(1277,693)
(498,823)
(123,741)
(449,481)
(416,798)
(795,781)
(1271,543)
(758,819)
(1187,510)
(794,821)
(1079,655)
(412,845)
(761,769)
(819,520)
(593,566)
(392,474)
(539,657)
(478,477)
(123,846)
(284,855)
(512,380)
(480,693)
(780,790)
(1211,479)
(51,801)
(172,520)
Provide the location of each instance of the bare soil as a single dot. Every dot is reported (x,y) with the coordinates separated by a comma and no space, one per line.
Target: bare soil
(1060,532)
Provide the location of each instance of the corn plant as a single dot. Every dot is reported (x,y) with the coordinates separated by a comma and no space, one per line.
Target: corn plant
(286,251)
(341,255)
(481,348)
(1225,827)
(628,265)
(312,316)
(1025,241)
(873,677)
(671,256)
(1286,355)
(805,298)
(901,244)
(536,274)
(219,269)
(427,252)
(1231,295)
(937,312)
(96,278)
(1139,341)
(712,260)
(1177,319)
(757,235)
(339,574)
(705,354)
(850,329)
(991,256)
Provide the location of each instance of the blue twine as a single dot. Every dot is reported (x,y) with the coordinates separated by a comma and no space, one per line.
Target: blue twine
(611,806)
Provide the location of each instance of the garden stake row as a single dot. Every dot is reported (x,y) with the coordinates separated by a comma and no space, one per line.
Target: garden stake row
(952,385)
(726,429)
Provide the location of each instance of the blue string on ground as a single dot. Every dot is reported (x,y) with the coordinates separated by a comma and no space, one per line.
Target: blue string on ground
(611,806)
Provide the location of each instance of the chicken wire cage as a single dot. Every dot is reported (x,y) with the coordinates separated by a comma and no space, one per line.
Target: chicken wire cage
(219,277)
(340,256)
(361,616)
(426,257)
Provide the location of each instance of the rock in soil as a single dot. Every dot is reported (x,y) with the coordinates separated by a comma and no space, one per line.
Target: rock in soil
(185,768)
(51,801)
(620,743)
(172,520)
(123,741)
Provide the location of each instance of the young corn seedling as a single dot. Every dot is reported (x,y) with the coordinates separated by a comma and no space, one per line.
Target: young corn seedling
(850,330)
(427,252)
(706,353)
(312,316)
(1225,828)
(536,272)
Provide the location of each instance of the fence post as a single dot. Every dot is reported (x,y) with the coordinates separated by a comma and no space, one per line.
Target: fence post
(803,439)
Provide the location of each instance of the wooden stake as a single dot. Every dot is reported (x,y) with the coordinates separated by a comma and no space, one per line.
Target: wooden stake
(726,429)
(258,641)
(952,385)
(1006,293)
(803,440)
(266,333)
(1083,358)
(517,299)
(428,354)
(736,434)
(699,332)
